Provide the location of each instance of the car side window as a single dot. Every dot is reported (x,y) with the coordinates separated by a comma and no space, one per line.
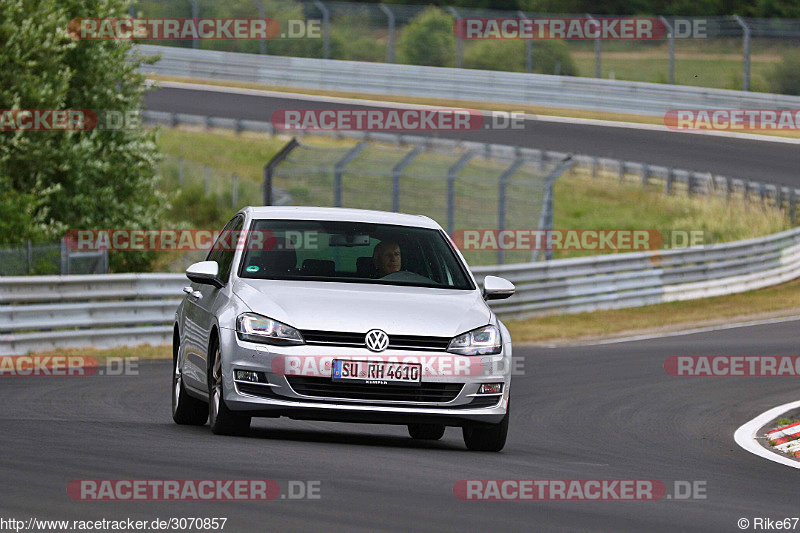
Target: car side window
(225,247)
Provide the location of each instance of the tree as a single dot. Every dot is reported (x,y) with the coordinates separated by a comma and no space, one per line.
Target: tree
(72,179)
(429,40)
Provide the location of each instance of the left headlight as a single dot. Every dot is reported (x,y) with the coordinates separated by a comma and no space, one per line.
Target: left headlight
(256,328)
(481,341)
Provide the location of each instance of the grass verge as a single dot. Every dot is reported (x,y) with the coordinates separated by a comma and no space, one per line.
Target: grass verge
(780,300)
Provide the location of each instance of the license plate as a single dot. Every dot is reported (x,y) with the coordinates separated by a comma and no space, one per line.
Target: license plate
(376,372)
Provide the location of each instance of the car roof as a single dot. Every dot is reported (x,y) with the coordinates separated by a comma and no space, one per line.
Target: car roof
(341,214)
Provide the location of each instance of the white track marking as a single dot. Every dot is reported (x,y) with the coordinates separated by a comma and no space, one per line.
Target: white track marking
(745,436)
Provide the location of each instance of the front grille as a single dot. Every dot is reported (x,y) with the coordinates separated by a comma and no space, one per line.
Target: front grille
(396,342)
(325,388)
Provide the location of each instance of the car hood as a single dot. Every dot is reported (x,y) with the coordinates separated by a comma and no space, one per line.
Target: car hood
(352,307)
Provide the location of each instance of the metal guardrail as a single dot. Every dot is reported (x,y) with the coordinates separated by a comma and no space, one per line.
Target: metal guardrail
(453,83)
(51,312)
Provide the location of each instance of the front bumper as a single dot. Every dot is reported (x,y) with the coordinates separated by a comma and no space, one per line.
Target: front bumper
(277,397)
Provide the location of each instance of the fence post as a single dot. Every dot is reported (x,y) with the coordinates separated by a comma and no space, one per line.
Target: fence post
(645,174)
(459,41)
(746,30)
(670,177)
(262,14)
(792,202)
(30,249)
(338,171)
(528,47)
(451,190)
(326,29)
(621,170)
(598,73)
(235,192)
(594,168)
(671,37)
(195,15)
(269,168)
(180,171)
(505,177)
(546,218)
(64,258)
(397,171)
(390,45)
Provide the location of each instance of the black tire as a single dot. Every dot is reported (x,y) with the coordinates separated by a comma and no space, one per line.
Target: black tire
(186,410)
(487,438)
(222,420)
(426,431)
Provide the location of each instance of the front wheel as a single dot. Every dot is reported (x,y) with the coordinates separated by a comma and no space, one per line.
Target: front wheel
(222,420)
(186,410)
(487,438)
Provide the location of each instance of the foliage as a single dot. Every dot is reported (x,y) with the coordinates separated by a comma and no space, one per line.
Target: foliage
(54,180)
(547,56)
(428,40)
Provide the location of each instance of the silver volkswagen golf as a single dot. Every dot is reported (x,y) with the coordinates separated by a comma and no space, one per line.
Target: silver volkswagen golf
(341,315)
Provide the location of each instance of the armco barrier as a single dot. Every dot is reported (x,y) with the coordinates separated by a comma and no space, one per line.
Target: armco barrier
(453,83)
(50,312)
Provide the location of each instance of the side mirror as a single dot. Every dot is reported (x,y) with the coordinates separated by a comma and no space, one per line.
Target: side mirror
(205,272)
(495,288)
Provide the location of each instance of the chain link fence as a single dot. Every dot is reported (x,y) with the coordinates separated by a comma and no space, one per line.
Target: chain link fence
(461,188)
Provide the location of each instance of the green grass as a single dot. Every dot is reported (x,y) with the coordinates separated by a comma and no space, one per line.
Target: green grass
(583,203)
(580,202)
(717,73)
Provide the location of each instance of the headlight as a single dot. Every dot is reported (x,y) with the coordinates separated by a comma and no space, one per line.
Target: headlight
(481,341)
(256,328)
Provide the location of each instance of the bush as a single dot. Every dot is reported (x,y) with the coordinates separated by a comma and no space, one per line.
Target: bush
(786,77)
(511,56)
(428,40)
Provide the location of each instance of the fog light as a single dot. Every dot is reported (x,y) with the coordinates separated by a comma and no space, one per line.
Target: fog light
(246,375)
(490,388)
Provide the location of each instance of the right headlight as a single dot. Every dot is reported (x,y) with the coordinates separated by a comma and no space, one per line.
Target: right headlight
(256,328)
(481,341)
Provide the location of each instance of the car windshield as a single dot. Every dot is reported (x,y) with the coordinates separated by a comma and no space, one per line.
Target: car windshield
(351,252)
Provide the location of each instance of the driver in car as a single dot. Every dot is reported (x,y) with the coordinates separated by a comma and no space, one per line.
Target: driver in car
(386,258)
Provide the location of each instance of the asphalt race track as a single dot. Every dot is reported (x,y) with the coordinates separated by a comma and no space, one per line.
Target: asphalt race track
(735,158)
(595,412)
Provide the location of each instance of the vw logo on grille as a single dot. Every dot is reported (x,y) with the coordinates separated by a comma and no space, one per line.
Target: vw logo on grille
(377,340)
